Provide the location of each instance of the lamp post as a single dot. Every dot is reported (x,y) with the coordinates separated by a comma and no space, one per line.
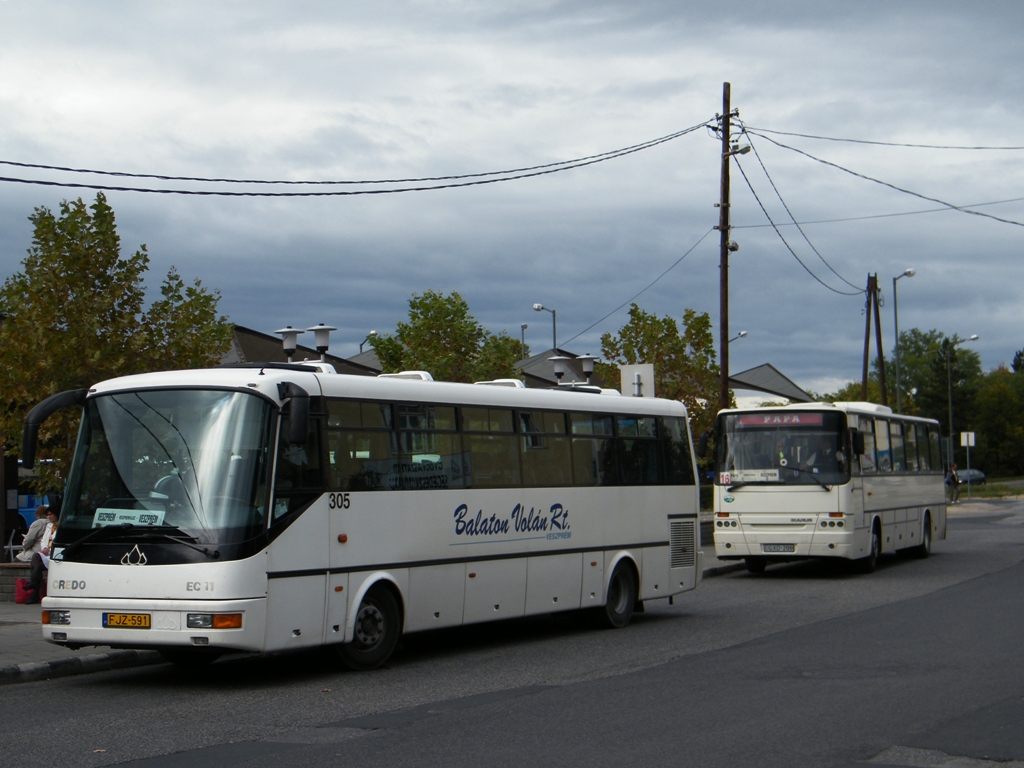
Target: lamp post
(322,336)
(370,335)
(554,324)
(522,348)
(896,325)
(740,335)
(587,362)
(561,363)
(289,340)
(950,346)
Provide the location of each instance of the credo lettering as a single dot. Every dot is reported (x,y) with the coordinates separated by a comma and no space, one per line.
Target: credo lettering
(73,584)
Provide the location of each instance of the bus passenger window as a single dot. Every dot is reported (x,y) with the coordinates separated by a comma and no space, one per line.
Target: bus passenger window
(675,446)
(923,452)
(910,444)
(882,452)
(867,459)
(899,460)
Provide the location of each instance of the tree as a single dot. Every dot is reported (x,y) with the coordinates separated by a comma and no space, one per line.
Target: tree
(999,424)
(685,366)
(1018,361)
(75,316)
(442,337)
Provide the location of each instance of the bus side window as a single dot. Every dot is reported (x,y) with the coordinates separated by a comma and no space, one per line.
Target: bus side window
(676,452)
(299,477)
(933,447)
(883,456)
(867,459)
(924,462)
(899,460)
(910,443)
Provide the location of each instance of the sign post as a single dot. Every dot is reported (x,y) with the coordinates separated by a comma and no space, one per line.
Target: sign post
(967,440)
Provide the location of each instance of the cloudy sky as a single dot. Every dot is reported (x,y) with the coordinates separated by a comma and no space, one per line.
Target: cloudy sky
(340,91)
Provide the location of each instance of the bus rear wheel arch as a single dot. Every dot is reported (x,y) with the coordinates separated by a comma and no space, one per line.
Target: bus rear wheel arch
(378,626)
(867,564)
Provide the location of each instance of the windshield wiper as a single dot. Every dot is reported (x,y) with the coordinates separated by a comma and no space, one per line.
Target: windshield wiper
(96,533)
(188,541)
(813,474)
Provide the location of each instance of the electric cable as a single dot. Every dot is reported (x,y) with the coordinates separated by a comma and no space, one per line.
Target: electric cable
(882,143)
(886,183)
(644,290)
(784,242)
(791,216)
(881,215)
(514,173)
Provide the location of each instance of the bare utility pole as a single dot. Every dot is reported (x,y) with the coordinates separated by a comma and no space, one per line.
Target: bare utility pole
(871,309)
(725,127)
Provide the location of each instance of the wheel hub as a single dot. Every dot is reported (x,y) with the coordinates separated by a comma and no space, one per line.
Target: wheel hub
(369,625)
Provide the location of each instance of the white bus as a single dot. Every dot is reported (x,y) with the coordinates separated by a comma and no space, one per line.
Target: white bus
(848,480)
(283,506)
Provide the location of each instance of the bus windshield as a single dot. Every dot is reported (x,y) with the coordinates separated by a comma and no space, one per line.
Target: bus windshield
(190,461)
(779,447)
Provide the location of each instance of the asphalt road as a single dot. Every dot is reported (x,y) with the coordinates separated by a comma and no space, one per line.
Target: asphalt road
(805,665)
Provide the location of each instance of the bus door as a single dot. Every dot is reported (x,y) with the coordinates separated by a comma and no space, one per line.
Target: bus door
(863,469)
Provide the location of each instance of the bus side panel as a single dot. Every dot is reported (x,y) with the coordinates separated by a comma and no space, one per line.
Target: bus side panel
(553,583)
(437,595)
(296,612)
(592,594)
(654,578)
(337,607)
(495,590)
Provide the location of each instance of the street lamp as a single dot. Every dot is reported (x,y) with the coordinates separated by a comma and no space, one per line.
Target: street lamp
(554,324)
(950,346)
(896,325)
(322,336)
(740,335)
(588,362)
(561,363)
(522,348)
(370,335)
(289,340)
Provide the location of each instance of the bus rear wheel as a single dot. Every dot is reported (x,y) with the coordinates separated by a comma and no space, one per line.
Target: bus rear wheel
(618,608)
(924,549)
(377,628)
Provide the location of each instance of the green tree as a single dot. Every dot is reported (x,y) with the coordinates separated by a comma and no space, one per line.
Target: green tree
(1018,361)
(442,337)
(999,425)
(76,315)
(685,366)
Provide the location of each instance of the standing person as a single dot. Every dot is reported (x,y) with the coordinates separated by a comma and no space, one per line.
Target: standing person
(41,559)
(953,481)
(33,541)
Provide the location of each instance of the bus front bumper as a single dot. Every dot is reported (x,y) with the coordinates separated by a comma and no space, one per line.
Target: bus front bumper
(236,625)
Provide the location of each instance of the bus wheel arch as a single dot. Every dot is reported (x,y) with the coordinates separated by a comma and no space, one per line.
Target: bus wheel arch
(374,625)
(867,563)
(924,549)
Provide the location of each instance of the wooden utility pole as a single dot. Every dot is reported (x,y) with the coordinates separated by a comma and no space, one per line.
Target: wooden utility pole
(723,228)
(871,309)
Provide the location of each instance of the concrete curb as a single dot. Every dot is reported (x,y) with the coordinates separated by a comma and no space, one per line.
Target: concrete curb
(76,665)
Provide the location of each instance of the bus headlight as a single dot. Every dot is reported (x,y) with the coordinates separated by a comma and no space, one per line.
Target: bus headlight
(214,621)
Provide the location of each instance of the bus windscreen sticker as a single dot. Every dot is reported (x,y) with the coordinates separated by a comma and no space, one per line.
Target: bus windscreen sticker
(104,517)
(749,476)
(782,420)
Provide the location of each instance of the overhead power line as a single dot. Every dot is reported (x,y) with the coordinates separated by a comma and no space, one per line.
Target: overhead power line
(881,215)
(791,216)
(645,289)
(458,180)
(786,243)
(960,208)
(882,143)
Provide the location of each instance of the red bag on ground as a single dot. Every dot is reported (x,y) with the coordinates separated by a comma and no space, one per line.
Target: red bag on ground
(22,594)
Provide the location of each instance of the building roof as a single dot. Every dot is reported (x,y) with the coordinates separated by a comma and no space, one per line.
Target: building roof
(252,346)
(767,378)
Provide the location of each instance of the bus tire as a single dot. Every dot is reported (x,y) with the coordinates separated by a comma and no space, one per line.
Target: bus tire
(192,658)
(755,564)
(867,564)
(378,625)
(618,608)
(924,549)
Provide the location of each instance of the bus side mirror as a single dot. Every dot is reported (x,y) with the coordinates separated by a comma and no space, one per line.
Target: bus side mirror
(702,445)
(858,442)
(298,423)
(41,413)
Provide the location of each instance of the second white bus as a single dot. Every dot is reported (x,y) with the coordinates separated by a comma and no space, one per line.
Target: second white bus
(849,480)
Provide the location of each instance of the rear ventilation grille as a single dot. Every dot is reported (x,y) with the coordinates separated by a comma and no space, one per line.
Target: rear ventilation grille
(682,544)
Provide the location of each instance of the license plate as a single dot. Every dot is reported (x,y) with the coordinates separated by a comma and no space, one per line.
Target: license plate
(127,620)
(778,547)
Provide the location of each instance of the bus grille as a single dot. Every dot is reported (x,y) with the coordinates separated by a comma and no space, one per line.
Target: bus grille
(682,544)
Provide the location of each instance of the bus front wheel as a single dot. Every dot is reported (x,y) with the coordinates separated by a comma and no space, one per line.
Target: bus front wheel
(377,628)
(924,549)
(618,608)
(867,564)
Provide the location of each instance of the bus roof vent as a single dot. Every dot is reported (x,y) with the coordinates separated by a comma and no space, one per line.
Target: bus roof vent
(410,375)
(862,406)
(503,383)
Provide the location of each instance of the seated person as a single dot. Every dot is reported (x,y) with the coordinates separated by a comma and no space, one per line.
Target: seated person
(824,459)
